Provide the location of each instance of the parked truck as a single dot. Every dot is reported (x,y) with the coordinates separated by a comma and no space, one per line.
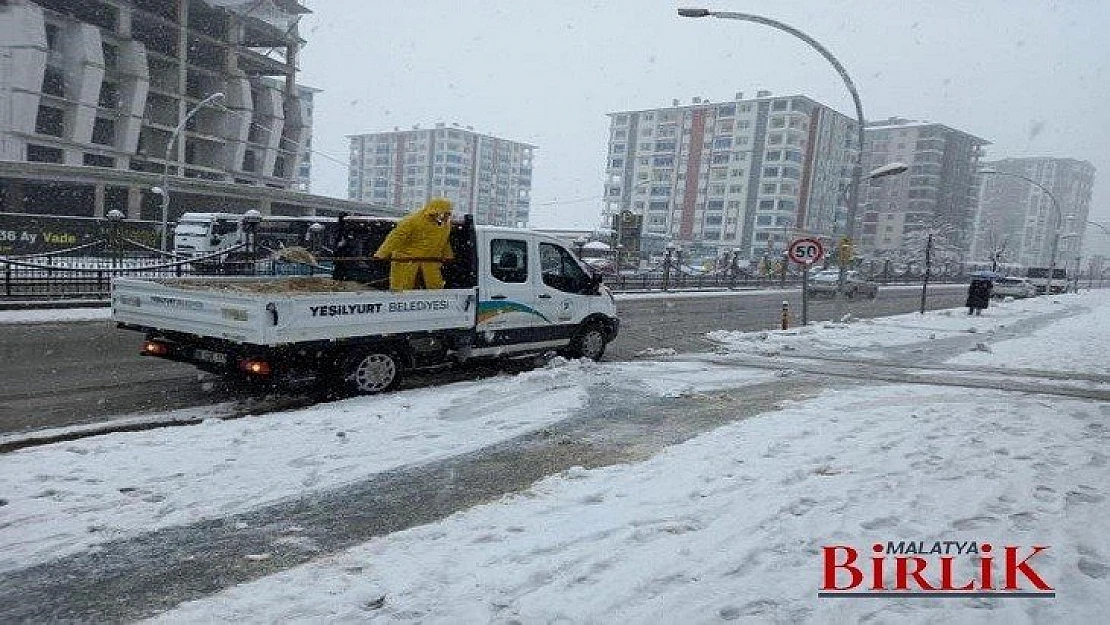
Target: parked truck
(200,235)
(508,292)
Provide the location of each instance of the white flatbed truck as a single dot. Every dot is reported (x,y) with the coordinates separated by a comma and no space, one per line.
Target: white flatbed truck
(510,292)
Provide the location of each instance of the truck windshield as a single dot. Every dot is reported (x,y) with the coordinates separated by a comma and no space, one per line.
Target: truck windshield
(192,228)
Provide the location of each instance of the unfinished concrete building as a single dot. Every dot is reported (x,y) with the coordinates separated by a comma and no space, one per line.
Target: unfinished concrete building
(201,89)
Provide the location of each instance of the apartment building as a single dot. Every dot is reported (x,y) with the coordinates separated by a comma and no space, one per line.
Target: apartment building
(303,178)
(747,174)
(483,175)
(938,194)
(107,83)
(1018,219)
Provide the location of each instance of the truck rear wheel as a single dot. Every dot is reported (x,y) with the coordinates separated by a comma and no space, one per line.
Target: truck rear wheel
(589,342)
(372,371)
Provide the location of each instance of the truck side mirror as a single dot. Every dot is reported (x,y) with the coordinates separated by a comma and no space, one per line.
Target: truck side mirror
(595,281)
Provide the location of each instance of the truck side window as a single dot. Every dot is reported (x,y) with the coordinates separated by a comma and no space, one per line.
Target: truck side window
(561,271)
(224,226)
(509,260)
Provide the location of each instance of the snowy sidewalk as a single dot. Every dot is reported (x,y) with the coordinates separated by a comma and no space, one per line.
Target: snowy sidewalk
(730,525)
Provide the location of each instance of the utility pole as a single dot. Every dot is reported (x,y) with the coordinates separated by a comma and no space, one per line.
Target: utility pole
(928,265)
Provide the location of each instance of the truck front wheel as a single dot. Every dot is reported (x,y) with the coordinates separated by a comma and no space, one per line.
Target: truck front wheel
(588,342)
(372,371)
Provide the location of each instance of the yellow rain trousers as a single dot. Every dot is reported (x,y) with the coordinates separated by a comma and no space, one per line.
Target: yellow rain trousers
(418,246)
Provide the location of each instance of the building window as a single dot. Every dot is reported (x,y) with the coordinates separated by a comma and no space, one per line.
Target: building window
(53,32)
(104,131)
(43,154)
(50,121)
(54,82)
(95,160)
(109,95)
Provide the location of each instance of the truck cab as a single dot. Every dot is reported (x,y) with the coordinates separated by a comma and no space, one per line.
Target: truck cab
(533,294)
(202,234)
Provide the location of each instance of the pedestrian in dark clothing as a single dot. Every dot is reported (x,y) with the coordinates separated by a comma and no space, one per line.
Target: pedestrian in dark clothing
(978,295)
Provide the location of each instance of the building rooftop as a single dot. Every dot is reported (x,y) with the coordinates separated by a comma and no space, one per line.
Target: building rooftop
(897,122)
(699,102)
(439,126)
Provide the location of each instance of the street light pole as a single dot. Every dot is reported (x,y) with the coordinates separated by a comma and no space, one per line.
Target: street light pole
(164,190)
(857,171)
(1079,256)
(1056,228)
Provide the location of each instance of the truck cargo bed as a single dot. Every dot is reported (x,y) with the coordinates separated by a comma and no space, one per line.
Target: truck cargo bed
(277,311)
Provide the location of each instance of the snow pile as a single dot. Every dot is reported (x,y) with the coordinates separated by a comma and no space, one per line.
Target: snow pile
(63,315)
(1041,350)
(867,337)
(108,487)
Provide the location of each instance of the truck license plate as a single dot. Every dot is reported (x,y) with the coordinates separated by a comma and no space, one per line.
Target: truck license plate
(209,356)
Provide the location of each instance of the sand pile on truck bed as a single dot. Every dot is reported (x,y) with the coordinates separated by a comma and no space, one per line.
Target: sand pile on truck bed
(272,285)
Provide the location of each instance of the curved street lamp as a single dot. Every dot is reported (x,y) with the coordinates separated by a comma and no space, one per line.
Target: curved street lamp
(164,190)
(1056,228)
(857,170)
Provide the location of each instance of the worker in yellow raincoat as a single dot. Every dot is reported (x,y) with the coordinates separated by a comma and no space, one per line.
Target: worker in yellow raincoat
(418,246)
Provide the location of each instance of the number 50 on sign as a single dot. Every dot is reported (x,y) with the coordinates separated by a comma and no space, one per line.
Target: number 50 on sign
(806,251)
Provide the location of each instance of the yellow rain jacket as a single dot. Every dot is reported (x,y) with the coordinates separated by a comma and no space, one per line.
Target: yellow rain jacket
(418,246)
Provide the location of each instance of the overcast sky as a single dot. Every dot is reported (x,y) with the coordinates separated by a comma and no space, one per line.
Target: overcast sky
(1030,76)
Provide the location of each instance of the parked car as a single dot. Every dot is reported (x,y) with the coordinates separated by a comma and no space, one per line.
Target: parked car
(1014,287)
(826,282)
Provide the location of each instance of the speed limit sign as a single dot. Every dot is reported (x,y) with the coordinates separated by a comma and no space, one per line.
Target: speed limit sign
(806,251)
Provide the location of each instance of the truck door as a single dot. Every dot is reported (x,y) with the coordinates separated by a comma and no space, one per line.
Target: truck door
(506,311)
(562,287)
